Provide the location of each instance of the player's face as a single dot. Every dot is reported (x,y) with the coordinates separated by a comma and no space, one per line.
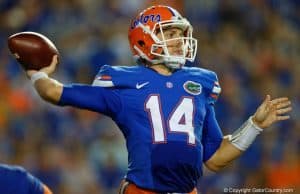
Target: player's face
(175,44)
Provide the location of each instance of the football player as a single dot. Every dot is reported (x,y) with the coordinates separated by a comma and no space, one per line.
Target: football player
(164,109)
(16,180)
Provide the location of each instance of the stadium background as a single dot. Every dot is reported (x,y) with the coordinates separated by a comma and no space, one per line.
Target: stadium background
(253,45)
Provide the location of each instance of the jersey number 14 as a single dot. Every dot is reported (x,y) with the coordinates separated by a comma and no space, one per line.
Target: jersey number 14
(180,119)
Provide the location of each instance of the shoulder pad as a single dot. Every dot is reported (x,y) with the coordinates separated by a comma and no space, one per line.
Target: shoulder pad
(117,76)
(103,77)
(208,79)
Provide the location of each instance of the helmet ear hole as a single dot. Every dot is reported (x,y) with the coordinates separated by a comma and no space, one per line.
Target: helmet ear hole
(141,43)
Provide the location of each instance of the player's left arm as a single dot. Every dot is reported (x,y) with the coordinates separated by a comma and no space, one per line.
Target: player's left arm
(232,146)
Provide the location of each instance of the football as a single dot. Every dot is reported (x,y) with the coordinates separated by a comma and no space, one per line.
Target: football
(32,50)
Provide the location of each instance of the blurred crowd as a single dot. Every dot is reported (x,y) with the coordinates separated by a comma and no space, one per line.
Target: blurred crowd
(253,45)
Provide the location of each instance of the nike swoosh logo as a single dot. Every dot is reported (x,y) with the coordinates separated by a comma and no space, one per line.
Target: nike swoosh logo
(139,86)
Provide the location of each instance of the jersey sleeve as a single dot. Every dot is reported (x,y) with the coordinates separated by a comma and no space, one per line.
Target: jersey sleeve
(212,135)
(118,76)
(104,77)
(209,81)
(215,89)
(98,99)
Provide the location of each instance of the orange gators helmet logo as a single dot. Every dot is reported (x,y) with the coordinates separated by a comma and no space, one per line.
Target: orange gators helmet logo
(145,44)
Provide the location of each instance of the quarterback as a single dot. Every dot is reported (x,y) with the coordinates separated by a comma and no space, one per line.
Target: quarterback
(164,109)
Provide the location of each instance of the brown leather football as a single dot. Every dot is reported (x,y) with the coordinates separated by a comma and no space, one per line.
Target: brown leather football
(32,50)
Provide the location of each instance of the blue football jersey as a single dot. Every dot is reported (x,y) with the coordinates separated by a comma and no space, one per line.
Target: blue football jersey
(16,180)
(168,121)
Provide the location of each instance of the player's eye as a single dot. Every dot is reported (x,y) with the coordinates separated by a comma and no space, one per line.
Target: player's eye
(173,34)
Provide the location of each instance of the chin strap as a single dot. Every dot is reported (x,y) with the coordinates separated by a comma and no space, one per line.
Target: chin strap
(244,136)
(170,64)
(174,64)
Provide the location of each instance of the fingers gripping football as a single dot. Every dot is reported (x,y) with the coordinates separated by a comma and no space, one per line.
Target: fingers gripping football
(48,70)
(272,111)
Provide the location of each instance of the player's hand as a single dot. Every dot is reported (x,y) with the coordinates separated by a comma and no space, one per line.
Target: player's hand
(48,70)
(272,111)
